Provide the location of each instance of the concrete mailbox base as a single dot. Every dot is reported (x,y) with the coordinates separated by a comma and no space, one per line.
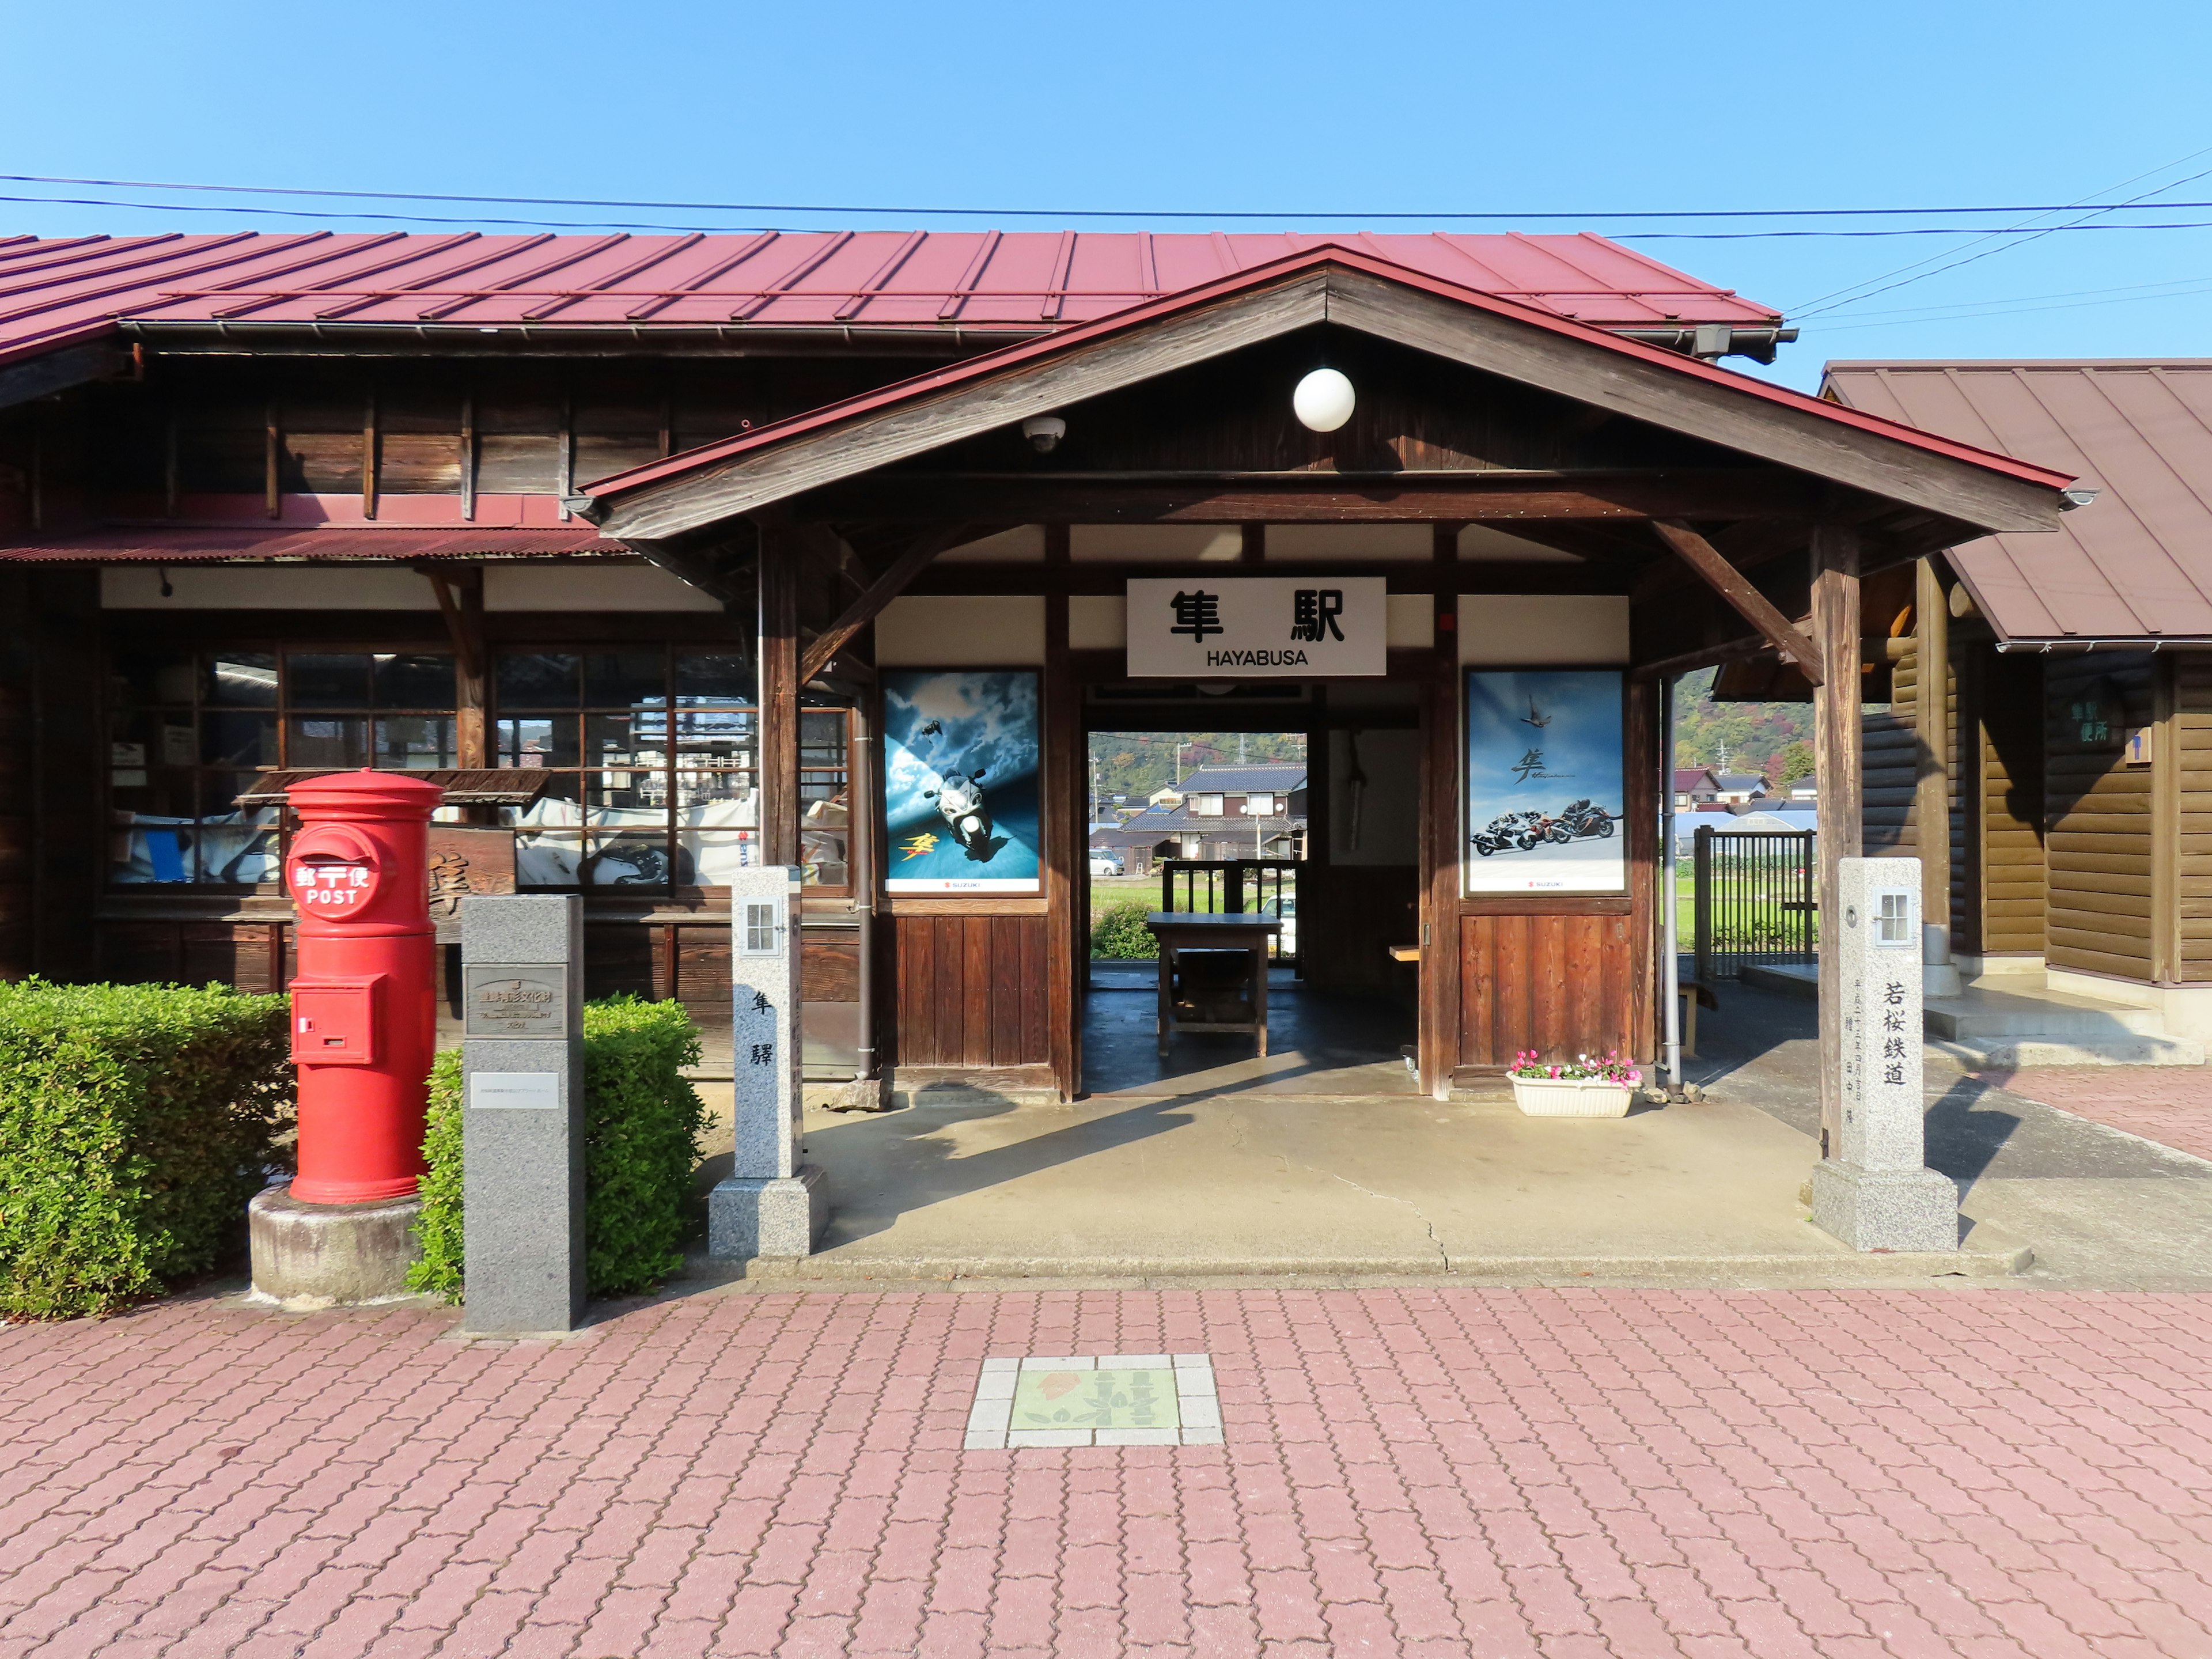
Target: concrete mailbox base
(330,1255)
(1885,1209)
(780,1216)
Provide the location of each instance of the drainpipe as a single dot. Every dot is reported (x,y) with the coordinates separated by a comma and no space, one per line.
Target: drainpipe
(860,850)
(1672,946)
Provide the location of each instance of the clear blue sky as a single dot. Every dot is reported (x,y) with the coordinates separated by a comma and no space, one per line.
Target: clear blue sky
(1325,114)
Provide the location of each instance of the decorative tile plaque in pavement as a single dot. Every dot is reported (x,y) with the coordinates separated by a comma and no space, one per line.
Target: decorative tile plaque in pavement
(1103,1399)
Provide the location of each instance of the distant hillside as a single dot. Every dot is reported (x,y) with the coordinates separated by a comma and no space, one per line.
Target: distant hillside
(1134,763)
(1751,735)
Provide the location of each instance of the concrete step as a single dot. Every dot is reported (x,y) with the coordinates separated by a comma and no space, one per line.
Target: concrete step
(2013,1053)
(1984,1014)
(1796,978)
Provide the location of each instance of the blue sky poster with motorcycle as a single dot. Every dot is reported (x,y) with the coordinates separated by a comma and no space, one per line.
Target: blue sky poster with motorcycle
(1544,782)
(960,780)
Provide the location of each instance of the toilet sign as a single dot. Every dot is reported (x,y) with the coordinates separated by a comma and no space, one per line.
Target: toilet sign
(1258,627)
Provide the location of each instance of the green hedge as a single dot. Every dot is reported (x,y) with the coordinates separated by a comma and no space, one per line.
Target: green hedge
(136,1121)
(1119,931)
(642,1124)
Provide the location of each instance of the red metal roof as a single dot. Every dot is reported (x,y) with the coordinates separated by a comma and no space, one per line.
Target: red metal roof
(2135,564)
(204,545)
(1015,354)
(57,291)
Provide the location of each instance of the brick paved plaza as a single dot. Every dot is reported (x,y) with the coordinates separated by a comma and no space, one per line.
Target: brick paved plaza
(1432,1471)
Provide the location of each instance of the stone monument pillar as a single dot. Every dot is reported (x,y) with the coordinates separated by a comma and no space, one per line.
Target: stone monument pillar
(1876,1191)
(522,1112)
(772,1204)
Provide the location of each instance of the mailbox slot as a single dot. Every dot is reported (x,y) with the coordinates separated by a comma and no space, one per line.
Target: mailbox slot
(334,1021)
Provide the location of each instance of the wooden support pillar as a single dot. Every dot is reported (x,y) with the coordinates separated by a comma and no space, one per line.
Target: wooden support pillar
(1438,1051)
(472,737)
(17,776)
(2165,880)
(1067,836)
(1931,799)
(1835,555)
(779,690)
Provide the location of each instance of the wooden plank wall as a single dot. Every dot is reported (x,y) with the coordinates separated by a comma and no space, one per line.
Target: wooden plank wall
(1564,975)
(2192,753)
(1889,814)
(2007,703)
(972,990)
(1562,985)
(2099,811)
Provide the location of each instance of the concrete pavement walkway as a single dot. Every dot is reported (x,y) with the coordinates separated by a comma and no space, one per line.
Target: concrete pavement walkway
(1440,1471)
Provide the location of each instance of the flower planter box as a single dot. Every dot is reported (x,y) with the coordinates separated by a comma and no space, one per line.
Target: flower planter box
(1555,1096)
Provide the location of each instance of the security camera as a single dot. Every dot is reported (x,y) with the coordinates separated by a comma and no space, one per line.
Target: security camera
(1044,432)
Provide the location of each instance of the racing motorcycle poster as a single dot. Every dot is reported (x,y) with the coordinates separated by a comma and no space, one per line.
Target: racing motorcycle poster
(1544,782)
(960,780)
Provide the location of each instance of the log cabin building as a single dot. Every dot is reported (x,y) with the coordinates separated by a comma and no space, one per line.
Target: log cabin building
(2063,733)
(624,534)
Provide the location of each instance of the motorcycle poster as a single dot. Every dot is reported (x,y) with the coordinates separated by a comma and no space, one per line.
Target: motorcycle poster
(1544,782)
(960,780)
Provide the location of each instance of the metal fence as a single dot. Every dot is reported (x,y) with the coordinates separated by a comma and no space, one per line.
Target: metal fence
(1232,887)
(1753,899)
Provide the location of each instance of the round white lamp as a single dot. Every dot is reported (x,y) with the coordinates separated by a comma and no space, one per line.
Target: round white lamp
(1324,400)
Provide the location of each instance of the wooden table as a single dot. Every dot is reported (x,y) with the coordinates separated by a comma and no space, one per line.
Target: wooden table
(1248,932)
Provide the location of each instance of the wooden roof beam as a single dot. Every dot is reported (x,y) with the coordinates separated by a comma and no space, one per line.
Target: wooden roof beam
(894,582)
(1503,499)
(1732,584)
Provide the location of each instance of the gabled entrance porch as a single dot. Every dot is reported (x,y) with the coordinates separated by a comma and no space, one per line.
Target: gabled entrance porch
(1524,499)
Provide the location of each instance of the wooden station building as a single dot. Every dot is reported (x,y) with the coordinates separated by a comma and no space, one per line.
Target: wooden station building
(650,518)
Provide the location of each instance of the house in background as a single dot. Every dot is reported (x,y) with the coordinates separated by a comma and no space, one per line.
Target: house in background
(1220,813)
(1695,791)
(1735,788)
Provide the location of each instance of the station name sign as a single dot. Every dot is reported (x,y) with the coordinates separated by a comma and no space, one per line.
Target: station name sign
(1254,626)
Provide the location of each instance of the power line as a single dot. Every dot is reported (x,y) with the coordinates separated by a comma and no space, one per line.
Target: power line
(1868,289)
(1052,213)
(1629,235)
(2185,285)
(1908,319)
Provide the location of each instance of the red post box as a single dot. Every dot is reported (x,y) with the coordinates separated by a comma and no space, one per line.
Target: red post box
(364,1004)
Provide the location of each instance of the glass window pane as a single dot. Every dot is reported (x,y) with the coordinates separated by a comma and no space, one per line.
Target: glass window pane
(699,789)
(314,740)
(616,679)
(537,679)
(625,857)
(238,739)
(328,681)
(548,740)
(822,739)
(822,856)
(148,848)
(237,848)
(420,742)
(547,857)
(633,790)
(713,677)
(705,857)
(241,679)
(154,677)
(619,740)
(728,733)
(415,682)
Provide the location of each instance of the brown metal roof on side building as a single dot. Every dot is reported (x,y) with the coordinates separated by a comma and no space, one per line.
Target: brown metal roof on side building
(2134,565)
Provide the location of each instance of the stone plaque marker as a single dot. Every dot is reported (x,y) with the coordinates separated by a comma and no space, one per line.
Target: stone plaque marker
(772,1204)
(522,1112)
(1877,1193)
(530,1001)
